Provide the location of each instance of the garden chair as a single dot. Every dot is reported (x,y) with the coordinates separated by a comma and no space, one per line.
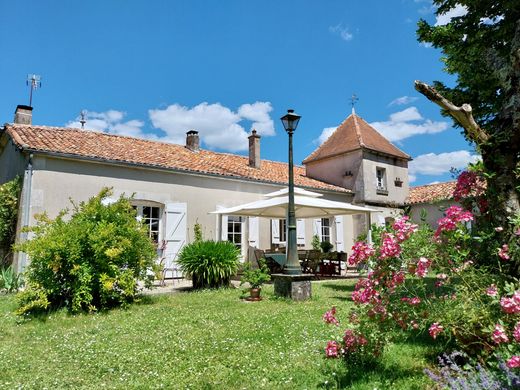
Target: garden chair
(313,261)
(343,261)
(258,254)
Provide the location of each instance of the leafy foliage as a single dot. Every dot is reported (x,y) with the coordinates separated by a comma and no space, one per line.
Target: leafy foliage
(89,261)
(256,277)
(476,47)
(197,231)
(315,242)
(482,47)
(9,198)
(456,373)
(209,263)
(10,281)
(326,246)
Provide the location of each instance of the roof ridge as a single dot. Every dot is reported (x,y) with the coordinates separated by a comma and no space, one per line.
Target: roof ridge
(76,143)
(383,137)
(434,184)
(78,130)
(358,131)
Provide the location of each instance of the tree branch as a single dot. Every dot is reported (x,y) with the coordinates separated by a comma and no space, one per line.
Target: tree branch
(463,115)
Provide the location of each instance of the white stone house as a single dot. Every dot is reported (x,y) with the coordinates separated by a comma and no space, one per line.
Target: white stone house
(176,186)
(431,200)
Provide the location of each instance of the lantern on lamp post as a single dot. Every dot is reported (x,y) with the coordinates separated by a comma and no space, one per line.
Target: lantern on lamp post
(292,267)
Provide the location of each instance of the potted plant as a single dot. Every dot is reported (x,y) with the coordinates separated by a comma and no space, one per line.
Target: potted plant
(326,246)
(256,278)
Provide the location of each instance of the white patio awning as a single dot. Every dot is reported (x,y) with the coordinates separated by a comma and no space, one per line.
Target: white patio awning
(297,191)
(305,207)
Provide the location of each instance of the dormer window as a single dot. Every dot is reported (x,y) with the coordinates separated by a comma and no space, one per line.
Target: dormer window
(381,187)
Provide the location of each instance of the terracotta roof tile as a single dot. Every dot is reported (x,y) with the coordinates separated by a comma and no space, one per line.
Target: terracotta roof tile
(431,193)
(114,148)
(354,133)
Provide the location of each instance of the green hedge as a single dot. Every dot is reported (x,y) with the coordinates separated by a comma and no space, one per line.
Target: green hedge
(89,261)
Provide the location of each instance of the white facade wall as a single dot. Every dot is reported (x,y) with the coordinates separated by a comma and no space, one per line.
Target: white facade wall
(56,180)
(434,211)
(356,171)
(394,169)
(334,170)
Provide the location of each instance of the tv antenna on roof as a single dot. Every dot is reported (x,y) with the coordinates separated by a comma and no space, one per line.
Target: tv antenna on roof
(82,120)
(353,101)
(34,81)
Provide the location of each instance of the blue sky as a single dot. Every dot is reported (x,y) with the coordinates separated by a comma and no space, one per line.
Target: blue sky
(156,69)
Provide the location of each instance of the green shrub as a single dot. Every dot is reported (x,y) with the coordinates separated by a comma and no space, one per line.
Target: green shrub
(256,277)
(209,263)
(89,261)
(9,196)
(316,242)
(326,246)
(197,230)
(10,281)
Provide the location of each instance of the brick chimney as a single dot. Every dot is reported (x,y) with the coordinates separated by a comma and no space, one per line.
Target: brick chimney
(192,140)
(254,150)
(23,115)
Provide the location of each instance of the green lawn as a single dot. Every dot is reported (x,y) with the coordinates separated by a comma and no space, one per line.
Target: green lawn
(196,340)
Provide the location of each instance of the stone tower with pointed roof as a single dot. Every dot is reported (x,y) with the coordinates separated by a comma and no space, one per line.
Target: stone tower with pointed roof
(360,159)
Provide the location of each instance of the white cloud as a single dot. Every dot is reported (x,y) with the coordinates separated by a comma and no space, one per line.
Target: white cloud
(408,114)
(342,31)
(258,113)
(403,100)
(439,164)
(445,18)
(218,126)
(110,121)
(403,124)
(325,134)
(489,21)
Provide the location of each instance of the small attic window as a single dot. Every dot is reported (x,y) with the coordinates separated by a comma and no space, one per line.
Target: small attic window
(381,187)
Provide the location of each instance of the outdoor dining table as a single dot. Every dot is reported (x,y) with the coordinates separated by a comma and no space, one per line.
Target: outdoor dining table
(280,258)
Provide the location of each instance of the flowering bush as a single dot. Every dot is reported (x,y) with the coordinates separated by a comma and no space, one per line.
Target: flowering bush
(425,281)
(87,262)
(454,374)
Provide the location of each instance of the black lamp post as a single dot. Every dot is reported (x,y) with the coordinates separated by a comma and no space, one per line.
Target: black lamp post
(290,122)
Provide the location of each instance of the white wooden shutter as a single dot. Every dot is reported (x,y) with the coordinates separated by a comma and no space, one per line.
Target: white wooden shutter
(224,228)
(300,231)
(275,231)
(380,219)
(175,232)
(340,233)
(253,232)
(317,227)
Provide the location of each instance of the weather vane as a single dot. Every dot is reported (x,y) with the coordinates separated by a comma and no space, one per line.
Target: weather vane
(34,82)
(353,101)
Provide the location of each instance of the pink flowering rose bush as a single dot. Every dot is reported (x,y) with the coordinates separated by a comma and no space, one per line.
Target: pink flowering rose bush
(424,281)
